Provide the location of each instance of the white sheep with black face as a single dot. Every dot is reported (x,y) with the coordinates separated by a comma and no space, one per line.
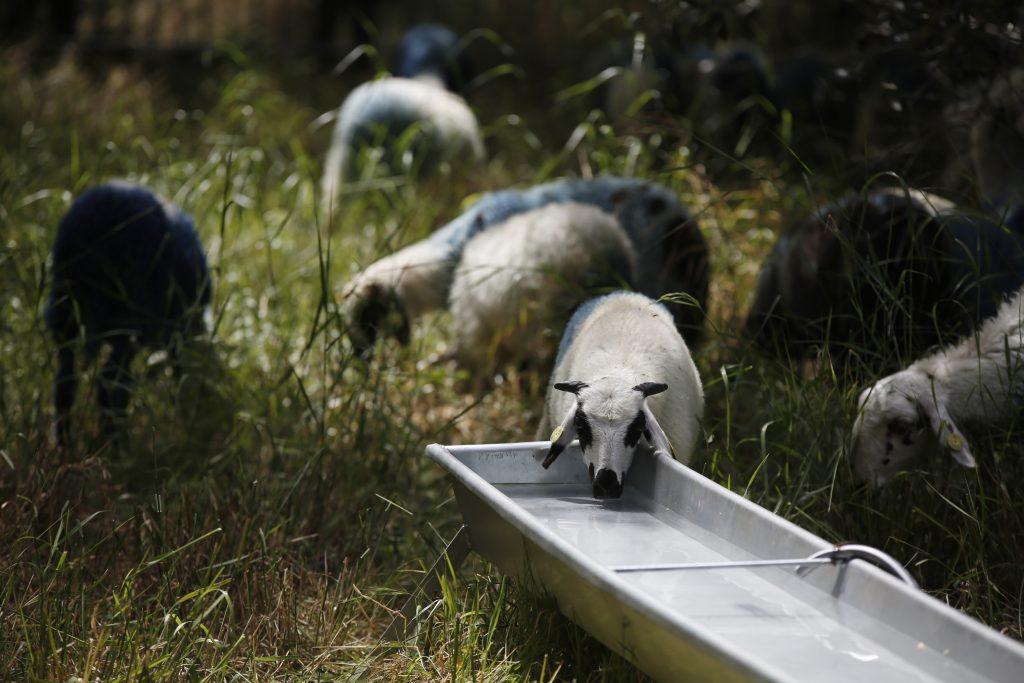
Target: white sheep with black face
(623,374)
(918,411)
(528,274)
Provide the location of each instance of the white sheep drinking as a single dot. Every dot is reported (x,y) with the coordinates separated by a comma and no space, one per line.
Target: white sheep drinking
(528,273)
(918,411)
(671,254)
(385,110)
(623,372)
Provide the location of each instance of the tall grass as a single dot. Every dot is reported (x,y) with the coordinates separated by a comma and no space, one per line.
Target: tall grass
(273,503)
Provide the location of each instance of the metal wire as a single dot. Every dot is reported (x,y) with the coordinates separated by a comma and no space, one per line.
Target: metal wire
(741,564)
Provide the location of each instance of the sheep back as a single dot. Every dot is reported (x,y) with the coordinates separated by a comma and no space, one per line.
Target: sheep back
(382,111)
(672,255)
(892,265)
(123,259)
(527,274)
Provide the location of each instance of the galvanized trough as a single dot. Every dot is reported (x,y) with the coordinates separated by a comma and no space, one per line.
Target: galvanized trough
(672,577)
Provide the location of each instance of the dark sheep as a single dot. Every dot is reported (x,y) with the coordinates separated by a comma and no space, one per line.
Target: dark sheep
(129,272)
(997,141)
(894,268)
(431,49)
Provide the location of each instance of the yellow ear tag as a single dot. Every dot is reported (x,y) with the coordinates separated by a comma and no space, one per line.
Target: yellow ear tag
(557,434)
(955,442)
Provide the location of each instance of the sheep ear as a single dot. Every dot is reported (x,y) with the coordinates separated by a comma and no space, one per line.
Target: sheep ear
(572,387)
(561,438)
(650,388)
(656,434)
(946,431)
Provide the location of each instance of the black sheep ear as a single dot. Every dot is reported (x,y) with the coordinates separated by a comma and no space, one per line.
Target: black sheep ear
(572,387)
(650,388)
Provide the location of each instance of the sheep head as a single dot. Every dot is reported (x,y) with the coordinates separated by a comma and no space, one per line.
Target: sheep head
(376,310)
(609,419)
(899,419)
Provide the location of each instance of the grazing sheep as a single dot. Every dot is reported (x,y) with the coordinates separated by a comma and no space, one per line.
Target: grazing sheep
(529,273)
(431,50)
(129,272)
(435,124)
(671,254)
(894,266)
(683,78)
(919,411)
(997,141)
(618,351)
(670,76)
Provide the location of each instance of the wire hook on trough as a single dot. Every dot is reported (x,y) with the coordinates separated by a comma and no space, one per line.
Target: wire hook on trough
(844,552)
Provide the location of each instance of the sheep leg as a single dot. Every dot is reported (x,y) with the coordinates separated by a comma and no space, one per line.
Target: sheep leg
(64,394)
(174,359)
(114,386)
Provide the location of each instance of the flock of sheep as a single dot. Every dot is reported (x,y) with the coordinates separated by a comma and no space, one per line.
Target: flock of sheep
(620,266)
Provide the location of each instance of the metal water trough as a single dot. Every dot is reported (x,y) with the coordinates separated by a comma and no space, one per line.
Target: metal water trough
(691,582)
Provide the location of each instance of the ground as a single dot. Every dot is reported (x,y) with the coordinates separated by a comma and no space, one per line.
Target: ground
(271,505)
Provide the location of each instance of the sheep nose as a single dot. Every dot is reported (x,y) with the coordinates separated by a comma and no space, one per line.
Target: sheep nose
(607,484)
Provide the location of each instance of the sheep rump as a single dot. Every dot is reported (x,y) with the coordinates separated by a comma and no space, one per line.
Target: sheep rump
(528,273)
(384,110)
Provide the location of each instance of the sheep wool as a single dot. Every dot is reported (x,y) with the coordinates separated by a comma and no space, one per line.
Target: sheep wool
(671,253)
(623,371)
(919,411)
(129,271)
(896,264)
(383,110)
(528,273)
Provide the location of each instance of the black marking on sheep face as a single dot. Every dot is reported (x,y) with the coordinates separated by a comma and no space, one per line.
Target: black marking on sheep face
(379,312)
(636,429)
(583,431)
(902,429)
(606,484)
